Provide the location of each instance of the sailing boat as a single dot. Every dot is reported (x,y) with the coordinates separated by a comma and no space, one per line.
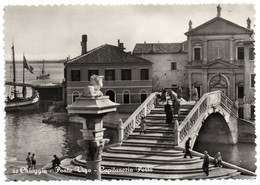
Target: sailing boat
(17,103)
(43,75)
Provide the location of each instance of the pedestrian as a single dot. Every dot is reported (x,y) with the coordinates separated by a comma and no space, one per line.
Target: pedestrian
(179,92)
(28,160)
(143,125)
(55,162)
(168,112)
(218,160)
(33,161)
(194,94)
(187,148)
(163,96)
(188,94)
(205,165)
(176,107)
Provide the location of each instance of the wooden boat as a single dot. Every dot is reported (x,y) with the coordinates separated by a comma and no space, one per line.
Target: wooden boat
(21,103)
(43,75)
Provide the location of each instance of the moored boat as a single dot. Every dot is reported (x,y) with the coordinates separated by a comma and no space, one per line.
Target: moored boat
(17,103)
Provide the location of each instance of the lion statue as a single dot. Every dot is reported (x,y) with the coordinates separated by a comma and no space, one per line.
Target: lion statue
(93,89)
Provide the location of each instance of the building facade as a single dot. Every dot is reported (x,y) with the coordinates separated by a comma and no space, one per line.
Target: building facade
(127,78)
(218,55)
(221,57)
(169,63)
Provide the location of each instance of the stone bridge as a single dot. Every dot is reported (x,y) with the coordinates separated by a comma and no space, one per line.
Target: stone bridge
(214,118)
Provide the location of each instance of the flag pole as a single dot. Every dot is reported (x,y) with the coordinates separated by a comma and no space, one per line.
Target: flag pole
(23,68)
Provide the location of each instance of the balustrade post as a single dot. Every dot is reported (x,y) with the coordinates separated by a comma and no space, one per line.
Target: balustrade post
(176,129)
(120,131)
(134,120)
(145,110)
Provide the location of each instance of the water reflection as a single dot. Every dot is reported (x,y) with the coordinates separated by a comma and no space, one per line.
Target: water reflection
(26,133)
(241,154)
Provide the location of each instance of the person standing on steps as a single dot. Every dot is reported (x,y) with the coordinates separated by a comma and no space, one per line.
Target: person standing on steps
(218,160)
(205,165)
(168,112)
(187,148)
(33,161)
(143,125)
(28,160)
(179,92)
(176,107)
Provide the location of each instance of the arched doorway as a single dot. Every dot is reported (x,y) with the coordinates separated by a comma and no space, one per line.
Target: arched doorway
(111,95)
(219,82)
(143,95)
(126,97)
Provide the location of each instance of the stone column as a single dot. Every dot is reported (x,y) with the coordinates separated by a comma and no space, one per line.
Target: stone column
(205,51)
(92,109)
(204,81)
(189,50)
(232,53)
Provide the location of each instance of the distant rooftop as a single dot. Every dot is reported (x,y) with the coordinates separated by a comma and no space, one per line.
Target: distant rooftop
(107,54)
(160,48)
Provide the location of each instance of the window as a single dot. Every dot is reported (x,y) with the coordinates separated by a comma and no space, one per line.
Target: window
(174,66)
(240,92)
(126,74)
(74,96)
(252,80)
(197,53)
(252,112)
(251,53)
(240,53)
(75,75)
(92,72)
(144,74)
(143,96)
(126,97)
(109,74)
(241,112)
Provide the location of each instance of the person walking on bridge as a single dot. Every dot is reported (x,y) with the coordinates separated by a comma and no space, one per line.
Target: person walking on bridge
(168,112)
(187,148)
(205,165)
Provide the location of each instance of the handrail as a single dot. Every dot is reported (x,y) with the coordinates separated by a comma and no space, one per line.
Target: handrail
(208,100)
(134,120)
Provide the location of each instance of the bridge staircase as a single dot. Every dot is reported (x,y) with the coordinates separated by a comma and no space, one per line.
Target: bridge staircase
(155,154)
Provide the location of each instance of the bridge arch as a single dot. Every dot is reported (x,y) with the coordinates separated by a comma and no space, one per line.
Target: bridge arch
(214,129)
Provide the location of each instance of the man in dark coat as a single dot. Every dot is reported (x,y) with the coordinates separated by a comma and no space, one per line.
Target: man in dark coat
(187,148)
(179,92)
(168,112)
(205,165)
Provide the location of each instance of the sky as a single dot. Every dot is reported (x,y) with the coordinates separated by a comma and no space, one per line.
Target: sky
(54,32)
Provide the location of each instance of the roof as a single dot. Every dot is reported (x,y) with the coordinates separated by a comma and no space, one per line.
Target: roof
(160,48)
(107,54)
(219,26)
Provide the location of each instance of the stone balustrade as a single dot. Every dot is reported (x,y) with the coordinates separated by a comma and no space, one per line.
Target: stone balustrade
(200,111)
(127,127)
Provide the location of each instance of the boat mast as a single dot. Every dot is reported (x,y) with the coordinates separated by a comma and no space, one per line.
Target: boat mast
(24,87)
(43,71)
(15,96)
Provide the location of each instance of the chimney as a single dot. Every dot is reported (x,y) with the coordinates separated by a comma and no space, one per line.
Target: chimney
(84,44)
(120,45)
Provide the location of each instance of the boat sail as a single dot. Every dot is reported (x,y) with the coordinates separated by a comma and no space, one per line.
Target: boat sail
(17,103)
(43,75)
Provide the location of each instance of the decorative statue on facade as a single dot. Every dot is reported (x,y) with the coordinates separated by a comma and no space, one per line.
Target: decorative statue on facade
(93,89)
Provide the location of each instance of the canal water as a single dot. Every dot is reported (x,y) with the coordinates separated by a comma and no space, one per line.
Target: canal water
(26,133)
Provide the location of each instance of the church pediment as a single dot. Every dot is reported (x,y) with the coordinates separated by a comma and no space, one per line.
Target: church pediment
(218,26)
(219,64)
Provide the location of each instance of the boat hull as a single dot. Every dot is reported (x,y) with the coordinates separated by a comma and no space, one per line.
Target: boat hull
(23,106)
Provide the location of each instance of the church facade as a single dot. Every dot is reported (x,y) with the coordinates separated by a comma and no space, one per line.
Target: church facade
(220,56)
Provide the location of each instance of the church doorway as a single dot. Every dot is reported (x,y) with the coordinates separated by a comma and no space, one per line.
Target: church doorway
(219,82)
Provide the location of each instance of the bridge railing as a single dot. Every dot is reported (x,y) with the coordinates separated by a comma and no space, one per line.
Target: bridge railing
(208,100)
(134,120)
